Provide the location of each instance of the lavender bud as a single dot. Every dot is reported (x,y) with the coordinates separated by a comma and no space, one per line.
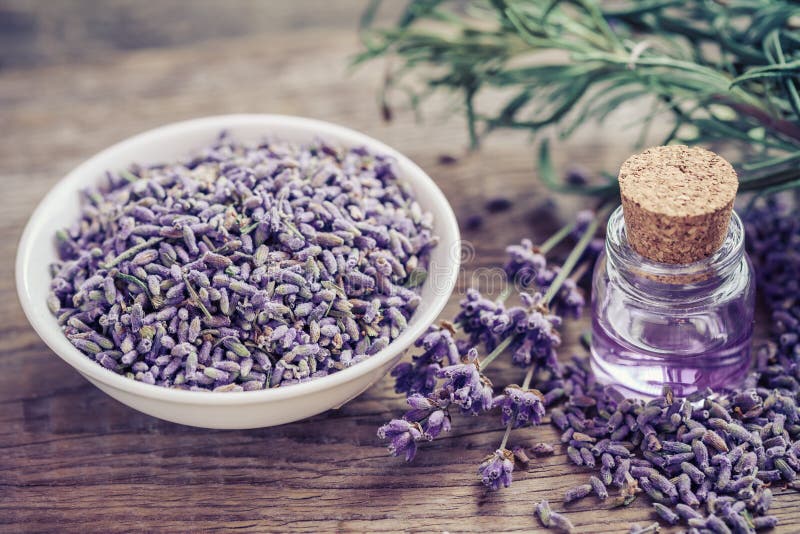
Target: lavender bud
(700,454)
(717,525)
(765,522)
(542,510)
(686,512)
(588,458)
(712,439)
(542,449)
(572,452)
(145,257)
(695,474)
(561,523)
(598,487)
(787,472)
(577,492)
(666,514)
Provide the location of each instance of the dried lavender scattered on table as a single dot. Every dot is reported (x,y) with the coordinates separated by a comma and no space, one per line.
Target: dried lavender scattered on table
(706,462)
(710,462)
(242,267)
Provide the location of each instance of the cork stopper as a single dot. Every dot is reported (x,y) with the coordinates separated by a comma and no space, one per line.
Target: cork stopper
(677,202)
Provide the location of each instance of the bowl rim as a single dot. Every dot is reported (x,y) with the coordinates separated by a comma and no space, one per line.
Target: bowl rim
(58,343)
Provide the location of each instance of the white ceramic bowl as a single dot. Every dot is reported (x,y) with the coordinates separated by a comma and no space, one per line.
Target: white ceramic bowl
(249,409)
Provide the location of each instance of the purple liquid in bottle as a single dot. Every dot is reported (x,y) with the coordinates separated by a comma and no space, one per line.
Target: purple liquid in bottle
(655,324)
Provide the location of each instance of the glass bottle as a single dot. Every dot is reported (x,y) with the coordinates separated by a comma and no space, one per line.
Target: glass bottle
(688,326)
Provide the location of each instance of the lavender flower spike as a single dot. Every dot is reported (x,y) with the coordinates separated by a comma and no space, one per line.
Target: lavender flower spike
(496,469)
(526,266)
(538,337)
(419,375)
(522,407)
(465,386)
(402,436)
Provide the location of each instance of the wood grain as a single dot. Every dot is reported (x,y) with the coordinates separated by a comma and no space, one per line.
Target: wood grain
(74,460)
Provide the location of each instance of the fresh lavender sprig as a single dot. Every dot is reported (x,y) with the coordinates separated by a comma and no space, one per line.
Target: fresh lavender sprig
(448,373)
(497,468)
(541,324)
(459,386)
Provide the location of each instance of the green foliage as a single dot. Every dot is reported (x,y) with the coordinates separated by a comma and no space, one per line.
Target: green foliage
(720,70)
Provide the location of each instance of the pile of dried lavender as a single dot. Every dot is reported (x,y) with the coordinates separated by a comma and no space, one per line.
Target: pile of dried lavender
(706,462)
(243,267)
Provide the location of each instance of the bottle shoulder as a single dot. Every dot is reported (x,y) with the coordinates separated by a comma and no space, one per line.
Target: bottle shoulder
(734,283)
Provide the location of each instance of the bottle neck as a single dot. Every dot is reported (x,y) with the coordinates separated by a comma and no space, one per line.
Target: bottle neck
(660,280)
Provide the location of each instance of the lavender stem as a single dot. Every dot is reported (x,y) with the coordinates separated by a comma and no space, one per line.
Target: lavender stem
(495,353)
(569,264)
(578,273)
(196,298)
(556,238)
(525,384)
(573,258)
(129,253)
(502,297)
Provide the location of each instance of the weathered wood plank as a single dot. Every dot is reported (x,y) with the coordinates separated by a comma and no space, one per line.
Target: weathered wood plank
(73,459)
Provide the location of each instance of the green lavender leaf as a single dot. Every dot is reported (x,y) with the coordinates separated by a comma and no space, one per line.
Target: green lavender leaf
(566,63)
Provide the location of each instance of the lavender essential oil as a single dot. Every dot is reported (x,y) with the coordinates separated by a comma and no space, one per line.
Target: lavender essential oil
(673,292)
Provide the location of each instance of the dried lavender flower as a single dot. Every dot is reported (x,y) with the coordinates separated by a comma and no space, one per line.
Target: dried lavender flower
(542,510)
(496,469)
(652,528)
(765,522)
(704,461)
(599,488)
(578,492)
(542,449)
(403,437)
(237,242)
(520,407)
(561,523)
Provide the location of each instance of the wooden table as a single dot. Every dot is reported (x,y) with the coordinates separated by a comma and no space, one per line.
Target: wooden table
(75,460)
